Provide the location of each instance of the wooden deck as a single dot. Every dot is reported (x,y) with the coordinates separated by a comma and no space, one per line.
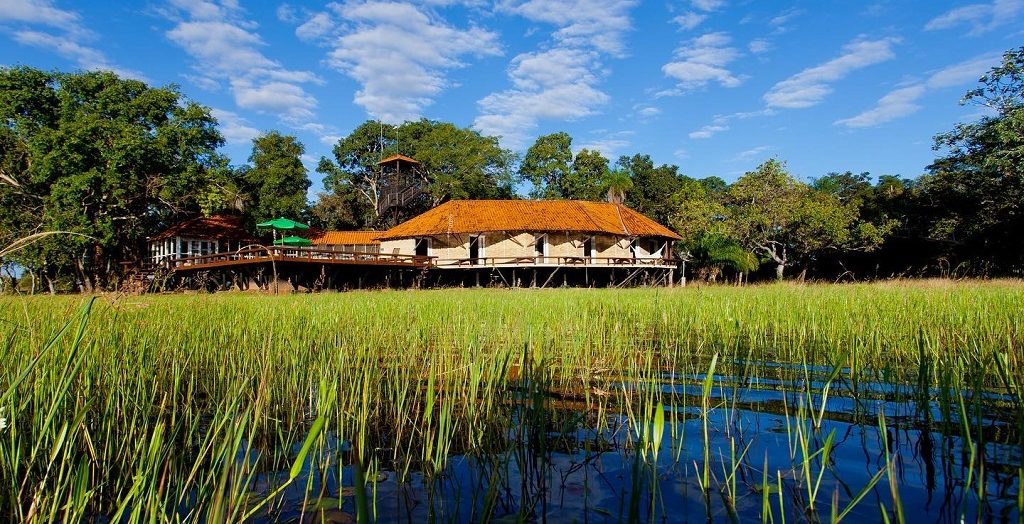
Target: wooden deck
(301,255)
(552,261)
(314,255)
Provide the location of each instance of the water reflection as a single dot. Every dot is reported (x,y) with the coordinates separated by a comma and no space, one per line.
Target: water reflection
(782,449)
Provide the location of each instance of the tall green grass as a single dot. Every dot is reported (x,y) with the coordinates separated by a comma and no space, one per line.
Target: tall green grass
(163,408)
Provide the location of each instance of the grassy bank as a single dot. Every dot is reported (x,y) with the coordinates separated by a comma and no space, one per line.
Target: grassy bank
(166,406)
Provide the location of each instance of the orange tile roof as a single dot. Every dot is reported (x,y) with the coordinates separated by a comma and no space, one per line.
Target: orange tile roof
(345,237)
(480,216)
(403,158)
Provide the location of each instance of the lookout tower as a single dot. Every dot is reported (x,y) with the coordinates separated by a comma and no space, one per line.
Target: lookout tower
(402,192)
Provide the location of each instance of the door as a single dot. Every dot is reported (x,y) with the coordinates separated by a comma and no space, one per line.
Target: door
(588,247)
(476,244)
(422,247)
(541,248)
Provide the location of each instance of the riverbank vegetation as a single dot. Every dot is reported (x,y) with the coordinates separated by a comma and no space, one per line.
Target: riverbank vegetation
(116,160)
(772,403)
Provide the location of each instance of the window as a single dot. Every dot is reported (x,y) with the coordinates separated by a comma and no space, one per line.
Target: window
(423,247)
(588,247)
(541,245)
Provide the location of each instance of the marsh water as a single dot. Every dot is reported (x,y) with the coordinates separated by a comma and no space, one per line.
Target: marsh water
(806,446)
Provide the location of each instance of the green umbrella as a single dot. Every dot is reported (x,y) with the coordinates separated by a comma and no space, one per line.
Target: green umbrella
(282,224)
(293,241)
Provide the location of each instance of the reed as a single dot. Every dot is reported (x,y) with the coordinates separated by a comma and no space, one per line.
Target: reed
(235,407)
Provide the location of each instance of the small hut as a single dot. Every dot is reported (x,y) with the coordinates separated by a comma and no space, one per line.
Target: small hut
(200,236)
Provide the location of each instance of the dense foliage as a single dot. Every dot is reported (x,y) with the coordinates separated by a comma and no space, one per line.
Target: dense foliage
(115,160)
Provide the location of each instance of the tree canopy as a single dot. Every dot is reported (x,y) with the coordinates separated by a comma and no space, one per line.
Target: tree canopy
(114,161)
(276,179)
(102,156)
(454,163)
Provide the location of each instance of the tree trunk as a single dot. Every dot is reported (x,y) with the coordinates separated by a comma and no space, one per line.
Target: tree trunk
(87,286)
(780,267)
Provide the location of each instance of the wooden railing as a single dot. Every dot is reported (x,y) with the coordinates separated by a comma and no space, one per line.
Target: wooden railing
(566,261)
(296,254)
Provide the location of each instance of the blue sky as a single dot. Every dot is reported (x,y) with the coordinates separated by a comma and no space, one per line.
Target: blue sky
(713,86)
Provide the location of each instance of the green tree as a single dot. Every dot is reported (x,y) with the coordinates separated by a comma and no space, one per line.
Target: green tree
(456,162)
(354,167)
(277,179)
(972,197)
(697,212)
(711,253)
(653,187)
(784,220)
(341,209)
(700,217)
(617,185)
(587,177)
(547,164)
(714,185)
(99,155)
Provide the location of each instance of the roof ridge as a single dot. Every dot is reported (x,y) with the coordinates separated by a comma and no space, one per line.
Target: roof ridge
(581,204)
(618,212)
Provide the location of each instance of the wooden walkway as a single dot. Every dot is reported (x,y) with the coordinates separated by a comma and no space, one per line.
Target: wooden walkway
(310,255)
(555,261)
(301,255)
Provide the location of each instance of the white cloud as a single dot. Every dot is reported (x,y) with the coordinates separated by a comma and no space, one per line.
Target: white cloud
(70,43)
(599,24)
(398,52)
(555,84)
(753,152)
(646,112)
(708,5)
(759,46)
(318,26)
(708,131)
(903,101)
(281,98)
(895,104)
(330,140)
(810,86)
(227,50)
(981,18)
(610,145)
(701,61)
(562,80)
(86,57)
(689,20)
(40,12)
(287,14)
(782,18)
(963,72)
(721,123)
(235,129)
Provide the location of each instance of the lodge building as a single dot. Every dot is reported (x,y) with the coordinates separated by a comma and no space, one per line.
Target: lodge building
(463,233)
(509,243)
